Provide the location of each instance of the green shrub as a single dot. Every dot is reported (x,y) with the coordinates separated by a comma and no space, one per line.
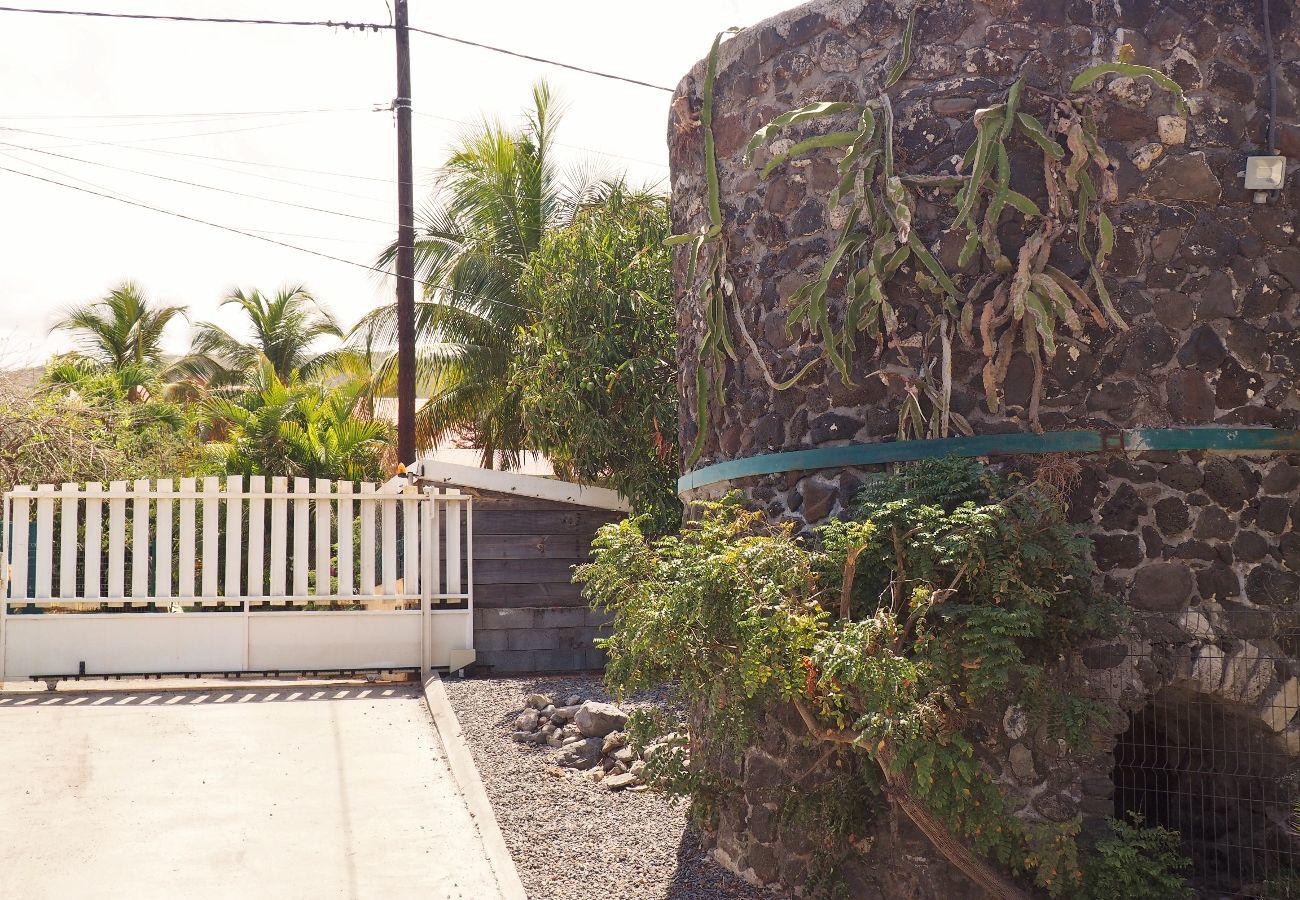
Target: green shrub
(1136,863)
(597,371)
(947,590)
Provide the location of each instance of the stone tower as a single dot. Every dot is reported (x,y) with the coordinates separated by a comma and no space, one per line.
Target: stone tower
(1202,544)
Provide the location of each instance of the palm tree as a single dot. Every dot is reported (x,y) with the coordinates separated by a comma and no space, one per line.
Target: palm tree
(122,329)
(285,326)
(494,200)
(287,427)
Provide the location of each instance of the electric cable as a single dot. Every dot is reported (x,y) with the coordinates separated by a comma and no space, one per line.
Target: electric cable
(539,59)
(186,115)
(254,236)
(157,17)
(169,121)
(206,187)
(85,141)
(211,162)
(361,26)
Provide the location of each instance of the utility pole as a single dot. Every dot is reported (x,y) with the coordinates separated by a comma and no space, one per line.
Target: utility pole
(405,243)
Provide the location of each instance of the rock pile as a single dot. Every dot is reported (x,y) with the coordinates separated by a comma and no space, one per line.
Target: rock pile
(590,736)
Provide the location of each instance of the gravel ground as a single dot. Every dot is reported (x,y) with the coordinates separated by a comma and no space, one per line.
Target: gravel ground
(572,839)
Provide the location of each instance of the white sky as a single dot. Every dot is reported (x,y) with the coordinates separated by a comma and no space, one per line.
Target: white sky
(62,247)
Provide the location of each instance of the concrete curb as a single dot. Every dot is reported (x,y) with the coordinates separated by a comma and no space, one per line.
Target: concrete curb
(471,788)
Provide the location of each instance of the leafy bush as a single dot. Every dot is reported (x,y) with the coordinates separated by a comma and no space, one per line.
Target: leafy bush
(597,371)
(949,588)
(1137,863)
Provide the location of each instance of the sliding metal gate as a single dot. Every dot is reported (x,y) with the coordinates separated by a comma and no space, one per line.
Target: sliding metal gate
(232,576)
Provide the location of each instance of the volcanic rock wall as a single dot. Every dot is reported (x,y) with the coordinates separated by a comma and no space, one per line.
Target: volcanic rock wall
(1205,548)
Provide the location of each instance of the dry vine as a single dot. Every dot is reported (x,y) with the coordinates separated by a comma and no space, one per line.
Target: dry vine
(1014,304)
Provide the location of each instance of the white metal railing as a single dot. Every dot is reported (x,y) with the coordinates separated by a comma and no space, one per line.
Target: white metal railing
(263,547)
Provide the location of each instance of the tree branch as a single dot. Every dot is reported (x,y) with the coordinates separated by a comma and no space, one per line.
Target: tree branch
(994,883)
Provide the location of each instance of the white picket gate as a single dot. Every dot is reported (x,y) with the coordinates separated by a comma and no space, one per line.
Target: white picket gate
(213,577)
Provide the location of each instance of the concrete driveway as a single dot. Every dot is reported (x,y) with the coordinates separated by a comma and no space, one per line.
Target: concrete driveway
(284,791)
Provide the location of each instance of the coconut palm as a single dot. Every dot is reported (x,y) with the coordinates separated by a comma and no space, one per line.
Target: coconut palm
(494,199)
(122,329)
(287,427)
(285,327)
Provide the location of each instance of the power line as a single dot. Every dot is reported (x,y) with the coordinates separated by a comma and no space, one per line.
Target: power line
(168,212)
(540,59)
(363,26)
(84,141)
(185,115)
(200,156)
(249,234)
(28,162)
(170,120)
(206,187)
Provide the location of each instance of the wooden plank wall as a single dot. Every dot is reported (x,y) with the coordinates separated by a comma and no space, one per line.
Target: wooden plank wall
(529,615)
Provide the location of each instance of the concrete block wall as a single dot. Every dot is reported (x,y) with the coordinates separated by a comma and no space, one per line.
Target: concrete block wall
(540,638)
(529,616)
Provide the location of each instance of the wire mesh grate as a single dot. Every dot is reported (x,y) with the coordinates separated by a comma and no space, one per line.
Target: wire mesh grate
(1213,754)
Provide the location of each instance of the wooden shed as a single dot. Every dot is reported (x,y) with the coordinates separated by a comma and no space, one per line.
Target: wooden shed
(529,533)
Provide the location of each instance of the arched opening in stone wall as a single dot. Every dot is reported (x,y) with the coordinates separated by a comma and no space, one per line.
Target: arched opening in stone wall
(1211,770)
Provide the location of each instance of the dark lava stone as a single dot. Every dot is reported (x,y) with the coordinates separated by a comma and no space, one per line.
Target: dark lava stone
(1116,551)
(1082,497)
(1273,512)
(1112,396)
(1248,622)
(769,431)
(1195,550)
(1162,586)
(1217,300)
(1219,581)
(1266,584)
(832,427)
(1107,656)
(1213,522)
(1181,477)
(809,219)
(1145,347)
(1225,483)
(1232,82)
(1171,515)
(1122,511)
(1247,342)
(1289,549)
(1211,243)
(1019,381)
(1281,478)
(1189,397)
(1262,299)
(1203,349)
(1122,468)
(1287,264)
(1250,547)
(1174,310)
(818,499)
(1235,385)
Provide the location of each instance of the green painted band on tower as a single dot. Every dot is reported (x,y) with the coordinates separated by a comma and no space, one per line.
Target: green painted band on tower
(1131,440)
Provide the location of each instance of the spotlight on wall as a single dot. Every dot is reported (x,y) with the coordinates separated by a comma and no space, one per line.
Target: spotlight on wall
(1265,173)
